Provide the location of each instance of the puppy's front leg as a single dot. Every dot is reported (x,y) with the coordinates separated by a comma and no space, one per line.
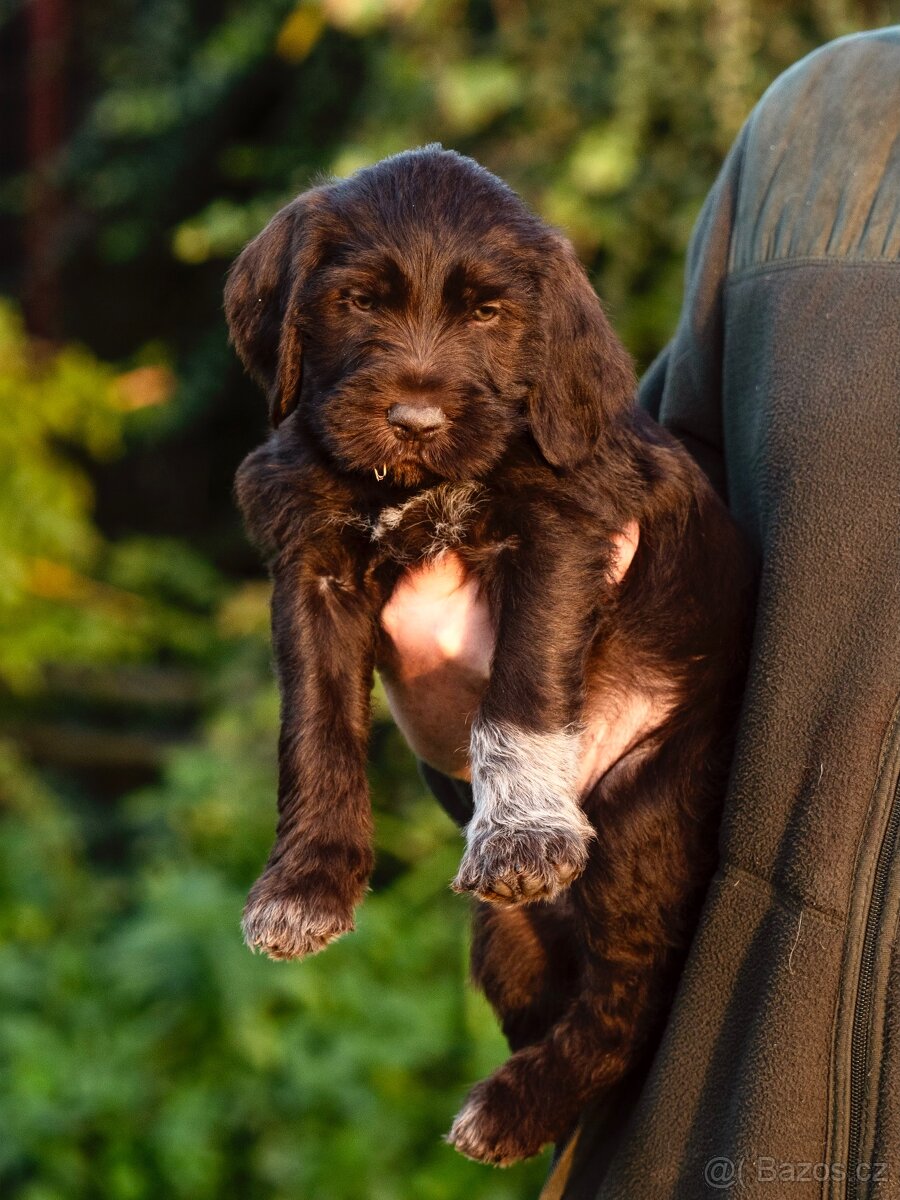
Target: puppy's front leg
(323,627)
(529,837)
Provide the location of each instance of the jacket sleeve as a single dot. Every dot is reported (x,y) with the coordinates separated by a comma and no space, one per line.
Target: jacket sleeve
(682,389)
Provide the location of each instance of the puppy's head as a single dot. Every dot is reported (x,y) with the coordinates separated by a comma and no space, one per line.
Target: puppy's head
(419,317)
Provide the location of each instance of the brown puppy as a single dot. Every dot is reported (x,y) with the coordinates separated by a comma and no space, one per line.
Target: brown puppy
(441,375)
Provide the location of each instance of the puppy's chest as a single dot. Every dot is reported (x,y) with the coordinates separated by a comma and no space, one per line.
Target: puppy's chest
(449,516)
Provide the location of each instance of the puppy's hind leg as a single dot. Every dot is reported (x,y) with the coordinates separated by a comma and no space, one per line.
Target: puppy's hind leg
(524,960)
(635,906)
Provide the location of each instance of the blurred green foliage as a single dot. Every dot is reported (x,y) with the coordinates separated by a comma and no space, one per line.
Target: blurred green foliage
(144,1051)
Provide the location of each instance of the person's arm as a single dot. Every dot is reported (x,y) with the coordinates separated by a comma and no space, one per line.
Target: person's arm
(682,387)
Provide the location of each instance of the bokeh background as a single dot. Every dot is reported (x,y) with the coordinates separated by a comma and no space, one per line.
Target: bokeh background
(143,1051)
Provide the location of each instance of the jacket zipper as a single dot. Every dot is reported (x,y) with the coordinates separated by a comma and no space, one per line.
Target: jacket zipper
(862,1012)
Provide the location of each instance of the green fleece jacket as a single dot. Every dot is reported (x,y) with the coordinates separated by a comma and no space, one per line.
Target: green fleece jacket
(779,1072)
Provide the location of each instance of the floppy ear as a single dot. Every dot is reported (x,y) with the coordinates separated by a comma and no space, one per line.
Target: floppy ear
(261,306)
(587,377)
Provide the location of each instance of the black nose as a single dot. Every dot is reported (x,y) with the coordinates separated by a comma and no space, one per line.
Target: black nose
(415,419)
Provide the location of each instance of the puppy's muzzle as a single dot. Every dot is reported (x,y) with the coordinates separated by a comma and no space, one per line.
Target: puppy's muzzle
(412,421)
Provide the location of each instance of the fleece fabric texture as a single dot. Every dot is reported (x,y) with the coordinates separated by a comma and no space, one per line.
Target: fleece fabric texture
(779,1072)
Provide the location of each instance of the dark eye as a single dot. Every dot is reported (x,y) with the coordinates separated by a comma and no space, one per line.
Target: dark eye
(362,300)
(486,312)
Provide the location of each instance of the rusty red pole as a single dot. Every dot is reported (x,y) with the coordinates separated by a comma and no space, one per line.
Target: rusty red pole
(45,113)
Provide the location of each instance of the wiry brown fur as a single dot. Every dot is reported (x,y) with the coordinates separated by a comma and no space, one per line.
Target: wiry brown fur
(424,282)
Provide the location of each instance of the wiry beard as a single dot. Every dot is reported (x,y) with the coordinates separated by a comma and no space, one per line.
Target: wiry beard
(467,447)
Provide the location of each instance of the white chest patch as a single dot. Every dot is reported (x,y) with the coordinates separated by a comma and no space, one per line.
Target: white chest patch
(441,516)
